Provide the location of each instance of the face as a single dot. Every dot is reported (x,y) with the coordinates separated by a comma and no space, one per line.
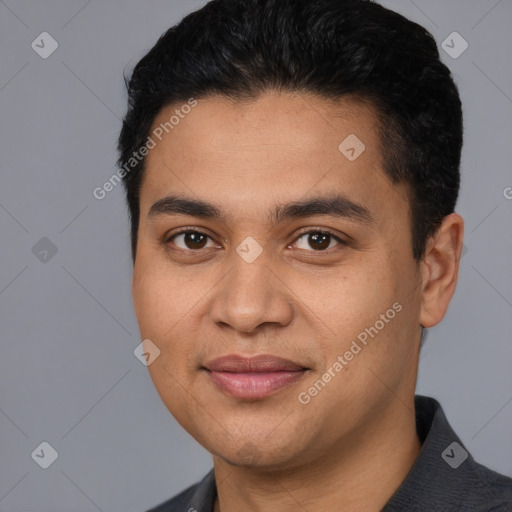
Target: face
(294,248)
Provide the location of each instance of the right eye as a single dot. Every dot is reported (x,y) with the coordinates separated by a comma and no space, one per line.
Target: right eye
(190,239)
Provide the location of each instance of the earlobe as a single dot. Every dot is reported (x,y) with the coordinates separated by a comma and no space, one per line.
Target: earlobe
(440,269)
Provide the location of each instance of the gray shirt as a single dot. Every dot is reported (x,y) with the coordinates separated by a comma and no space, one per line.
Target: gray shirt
(444,478)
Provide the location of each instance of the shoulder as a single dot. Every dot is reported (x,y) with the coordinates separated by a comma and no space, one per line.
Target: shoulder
(490,489)
(445,476)
(458,475)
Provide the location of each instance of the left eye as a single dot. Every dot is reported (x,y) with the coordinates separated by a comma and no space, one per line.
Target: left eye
(319,240)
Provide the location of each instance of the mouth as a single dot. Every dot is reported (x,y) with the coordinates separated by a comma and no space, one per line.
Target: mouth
(252,378)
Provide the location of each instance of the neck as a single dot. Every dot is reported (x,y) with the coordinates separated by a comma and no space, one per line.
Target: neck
(360,473)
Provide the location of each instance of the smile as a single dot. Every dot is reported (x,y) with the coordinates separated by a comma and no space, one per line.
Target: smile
(251,378)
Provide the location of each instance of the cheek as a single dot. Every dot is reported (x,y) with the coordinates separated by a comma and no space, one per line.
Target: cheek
(357,300)
(368,314)
(164,305)
(159,299)
(160,309)
(146,294)
(172,387)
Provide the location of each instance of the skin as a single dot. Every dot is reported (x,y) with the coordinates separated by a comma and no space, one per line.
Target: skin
(198,301)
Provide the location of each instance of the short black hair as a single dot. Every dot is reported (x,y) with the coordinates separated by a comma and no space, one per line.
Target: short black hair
(331,48)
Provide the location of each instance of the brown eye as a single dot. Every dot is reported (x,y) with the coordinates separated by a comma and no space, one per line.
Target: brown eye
(190,240)
(318,240)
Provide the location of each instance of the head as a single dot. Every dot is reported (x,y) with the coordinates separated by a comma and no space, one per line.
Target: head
(310,150)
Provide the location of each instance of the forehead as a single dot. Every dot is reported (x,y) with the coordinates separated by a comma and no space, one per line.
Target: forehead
(279,145)
(273,121)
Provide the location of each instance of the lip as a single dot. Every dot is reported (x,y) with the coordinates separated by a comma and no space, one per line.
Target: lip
(253,377)
(255,364)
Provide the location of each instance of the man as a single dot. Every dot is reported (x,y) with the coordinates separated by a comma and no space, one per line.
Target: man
(292,169)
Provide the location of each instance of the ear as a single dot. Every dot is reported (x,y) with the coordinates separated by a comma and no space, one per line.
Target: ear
(440,269)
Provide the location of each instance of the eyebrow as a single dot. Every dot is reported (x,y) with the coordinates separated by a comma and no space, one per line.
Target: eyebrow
(337,205)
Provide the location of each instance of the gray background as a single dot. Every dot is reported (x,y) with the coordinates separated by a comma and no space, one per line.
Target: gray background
(68,374)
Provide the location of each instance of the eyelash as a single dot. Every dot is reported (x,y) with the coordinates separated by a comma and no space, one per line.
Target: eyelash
(307,231)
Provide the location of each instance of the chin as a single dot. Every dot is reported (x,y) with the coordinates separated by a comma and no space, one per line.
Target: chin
(257,454)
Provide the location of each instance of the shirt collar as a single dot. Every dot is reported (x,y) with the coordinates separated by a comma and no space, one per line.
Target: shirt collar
(444,476)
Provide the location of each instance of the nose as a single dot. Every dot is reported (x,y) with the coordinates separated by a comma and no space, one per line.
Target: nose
(251,295)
